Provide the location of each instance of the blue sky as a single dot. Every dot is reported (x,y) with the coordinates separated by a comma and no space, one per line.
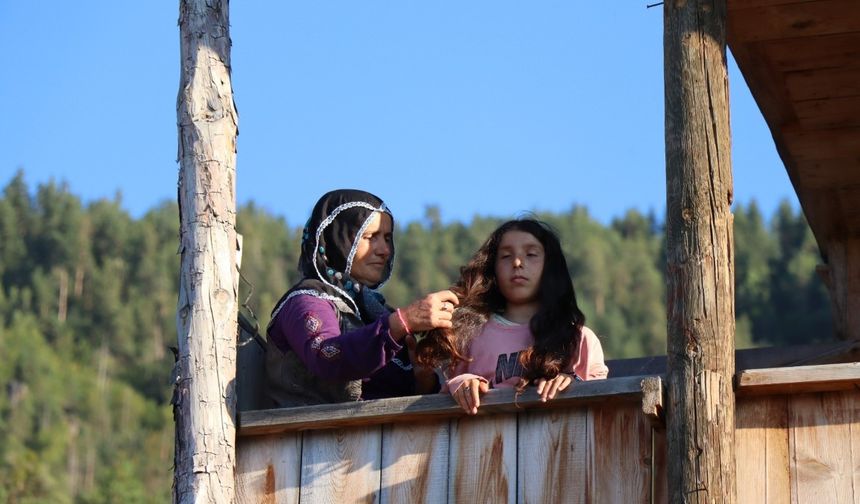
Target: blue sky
(480,107)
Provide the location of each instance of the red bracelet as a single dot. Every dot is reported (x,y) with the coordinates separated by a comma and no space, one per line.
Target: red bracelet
(403,321)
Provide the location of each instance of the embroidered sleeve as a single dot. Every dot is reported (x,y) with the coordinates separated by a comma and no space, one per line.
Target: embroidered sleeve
(309,326)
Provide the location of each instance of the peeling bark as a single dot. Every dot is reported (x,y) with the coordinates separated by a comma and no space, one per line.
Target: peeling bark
(204,394)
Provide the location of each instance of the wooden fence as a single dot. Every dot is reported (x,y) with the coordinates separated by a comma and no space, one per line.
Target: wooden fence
(797,438)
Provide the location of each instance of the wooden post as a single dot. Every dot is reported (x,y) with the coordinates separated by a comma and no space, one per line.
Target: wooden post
(700,275)
(841,275)
(204,397)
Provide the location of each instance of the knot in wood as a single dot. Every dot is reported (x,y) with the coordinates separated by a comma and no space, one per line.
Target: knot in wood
(687,215)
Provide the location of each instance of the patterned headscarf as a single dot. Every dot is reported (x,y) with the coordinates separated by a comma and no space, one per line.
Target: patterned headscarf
(329,243)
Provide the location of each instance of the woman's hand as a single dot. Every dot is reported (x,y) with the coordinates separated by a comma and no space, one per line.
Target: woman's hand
(548,388)
(433,311)
(468,394)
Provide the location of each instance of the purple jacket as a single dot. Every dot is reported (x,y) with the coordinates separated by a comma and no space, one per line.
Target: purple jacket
(310,327)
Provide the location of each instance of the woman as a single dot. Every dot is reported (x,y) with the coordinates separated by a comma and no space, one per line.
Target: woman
(331,336)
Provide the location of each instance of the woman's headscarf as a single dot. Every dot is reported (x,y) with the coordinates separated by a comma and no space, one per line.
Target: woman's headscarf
(329,243)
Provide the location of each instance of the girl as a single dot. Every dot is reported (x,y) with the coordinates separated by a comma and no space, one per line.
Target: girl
(331,337)
(517,322)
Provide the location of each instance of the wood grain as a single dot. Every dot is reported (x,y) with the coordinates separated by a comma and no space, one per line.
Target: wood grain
(659,478)
(761,439)
(436,406)
(552,457)
(204,396)
(341,466)
(854,407)
(483,458)
(802,19)
(700,422)
(820,444)
(829,377)
(808,53)
(621,455)
(268,469)
(415,462)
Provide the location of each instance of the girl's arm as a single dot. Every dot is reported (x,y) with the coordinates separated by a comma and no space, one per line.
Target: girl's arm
(590,365)
(309,326)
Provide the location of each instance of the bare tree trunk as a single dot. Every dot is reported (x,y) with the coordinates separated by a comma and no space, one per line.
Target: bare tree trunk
(700,307)
(63,296)
(204,398)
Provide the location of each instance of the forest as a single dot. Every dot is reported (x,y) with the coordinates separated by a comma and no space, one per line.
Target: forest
(88,300)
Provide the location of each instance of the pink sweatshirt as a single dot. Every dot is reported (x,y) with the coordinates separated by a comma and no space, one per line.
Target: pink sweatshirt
(495,352)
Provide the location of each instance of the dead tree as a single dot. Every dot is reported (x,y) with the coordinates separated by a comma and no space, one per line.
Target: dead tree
(204,397)
(700,271)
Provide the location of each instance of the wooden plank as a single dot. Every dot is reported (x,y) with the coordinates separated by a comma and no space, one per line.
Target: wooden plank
(552,457)
(802,19)
(825,51)
(660,466)
(828,173)
(820,446)
(829,113)
(404,409)
(621,452)
(849,200)
(855,441)
(415,462)
(823,83)
(761,441)
(822,144)
(744,4)
(483,459)
(341,466)
(750,358)
(800,379)
(267,469)
(843,283)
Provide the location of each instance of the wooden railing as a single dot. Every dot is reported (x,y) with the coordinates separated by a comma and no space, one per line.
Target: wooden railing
(798,436)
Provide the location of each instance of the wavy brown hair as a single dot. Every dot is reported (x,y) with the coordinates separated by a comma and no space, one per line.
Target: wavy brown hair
(556,327)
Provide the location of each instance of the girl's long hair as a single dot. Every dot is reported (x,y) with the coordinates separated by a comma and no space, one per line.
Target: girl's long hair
(556,327)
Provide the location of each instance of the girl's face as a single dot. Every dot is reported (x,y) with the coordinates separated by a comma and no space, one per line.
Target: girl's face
(373,250)
(519,267)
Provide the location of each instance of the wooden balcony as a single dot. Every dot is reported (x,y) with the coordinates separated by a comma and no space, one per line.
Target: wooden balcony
(797,439)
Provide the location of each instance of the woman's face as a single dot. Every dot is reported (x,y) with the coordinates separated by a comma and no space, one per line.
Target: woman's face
(373,250)
(519,267)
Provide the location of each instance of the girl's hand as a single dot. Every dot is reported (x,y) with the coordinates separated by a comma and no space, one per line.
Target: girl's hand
(433,311)
(548,388)
(468,394)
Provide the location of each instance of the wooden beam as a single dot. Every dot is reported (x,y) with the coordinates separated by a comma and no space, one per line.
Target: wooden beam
(653,400)
(416,408)
(809,53)
(841,275)
(823,83)
(797,380)
(821,174)
(751,358)
(802,19)
(745,4)
(811,145)
(700,423)
(829,113)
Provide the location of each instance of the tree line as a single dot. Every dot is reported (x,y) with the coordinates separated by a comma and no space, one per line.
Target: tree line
(88,300)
